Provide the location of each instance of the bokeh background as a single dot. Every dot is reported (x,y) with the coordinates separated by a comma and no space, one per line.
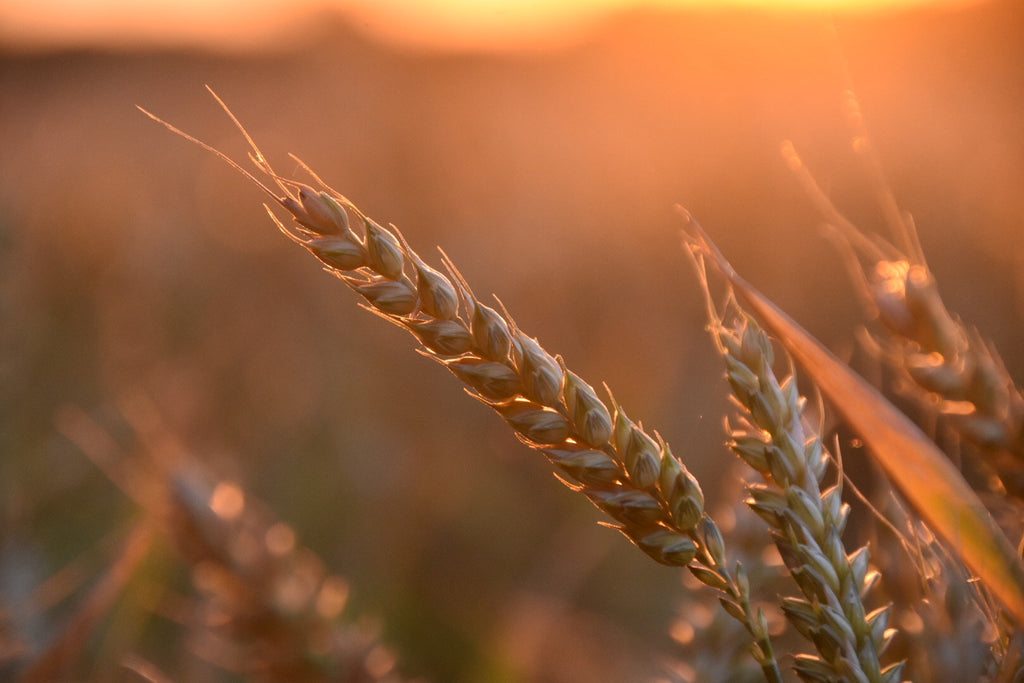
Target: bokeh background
(134,267)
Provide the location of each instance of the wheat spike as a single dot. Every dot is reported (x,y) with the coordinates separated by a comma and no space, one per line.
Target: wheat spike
(945,364)
(807,522)
(628,474)
(598,450)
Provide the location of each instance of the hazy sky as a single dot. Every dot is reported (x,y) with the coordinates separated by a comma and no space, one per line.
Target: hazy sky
(244,23)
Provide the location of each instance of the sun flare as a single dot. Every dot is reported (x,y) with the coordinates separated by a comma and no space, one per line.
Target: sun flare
(480,24)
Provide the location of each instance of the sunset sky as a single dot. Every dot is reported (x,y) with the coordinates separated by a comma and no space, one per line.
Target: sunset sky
(240,24)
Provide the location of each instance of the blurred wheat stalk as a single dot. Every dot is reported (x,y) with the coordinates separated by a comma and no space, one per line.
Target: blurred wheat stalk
(262,606)
(946,366)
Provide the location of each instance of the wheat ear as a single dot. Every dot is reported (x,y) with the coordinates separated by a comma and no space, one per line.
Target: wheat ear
(948,365)
(598,450)
(807,522)
(267,608)
(628,474)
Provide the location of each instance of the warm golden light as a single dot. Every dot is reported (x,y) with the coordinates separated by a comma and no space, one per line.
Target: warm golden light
(332,598)
(518,23)
(280,539)
(227,501)
(246,24)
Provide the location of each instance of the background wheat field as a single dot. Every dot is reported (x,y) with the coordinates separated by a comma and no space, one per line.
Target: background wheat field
(136,270)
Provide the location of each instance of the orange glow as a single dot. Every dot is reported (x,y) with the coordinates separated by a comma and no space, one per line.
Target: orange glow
(280,539)
(539,23)
(229,23)
(227,500)
(247,24)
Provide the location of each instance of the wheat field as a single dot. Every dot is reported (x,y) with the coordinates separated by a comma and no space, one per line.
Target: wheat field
(201,425)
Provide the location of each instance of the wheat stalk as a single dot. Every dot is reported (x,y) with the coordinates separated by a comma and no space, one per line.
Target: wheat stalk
(711,645)
(807,522)
(600,452)
(267,608)
(607,457)
(631,474)
(946,364)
